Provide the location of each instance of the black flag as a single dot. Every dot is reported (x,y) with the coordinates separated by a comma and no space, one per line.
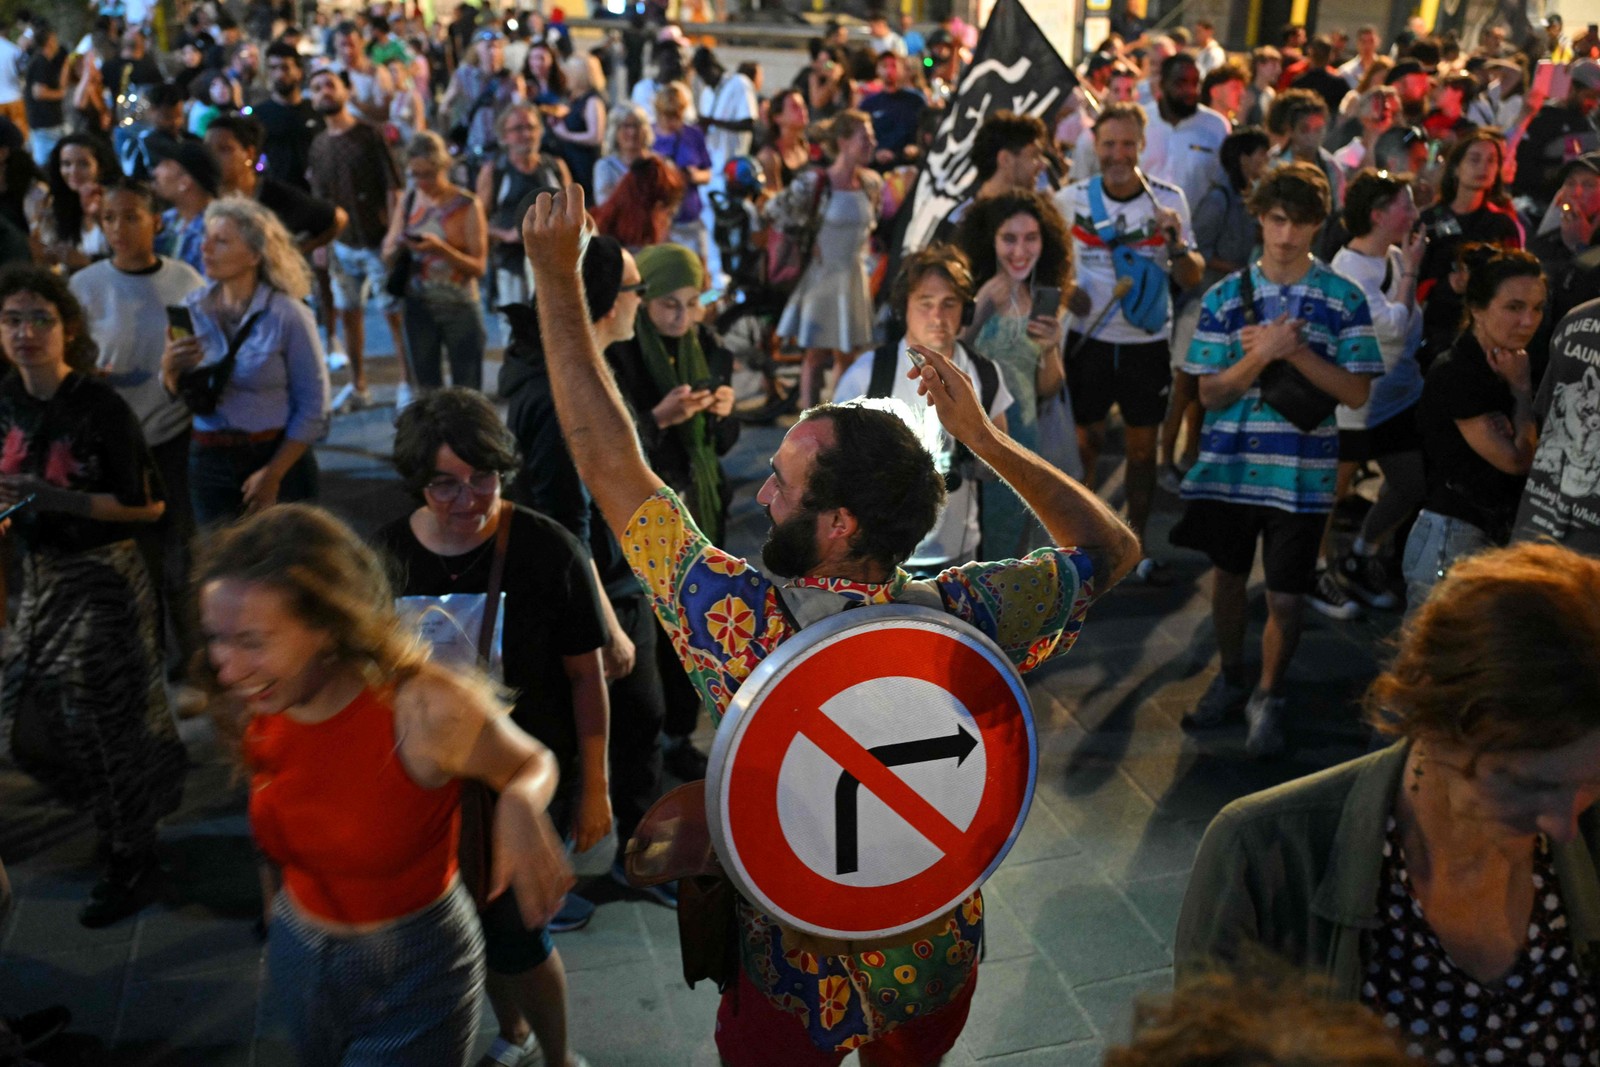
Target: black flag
(1015,68)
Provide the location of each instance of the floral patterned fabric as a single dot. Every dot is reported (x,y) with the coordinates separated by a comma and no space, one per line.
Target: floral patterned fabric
(723,618)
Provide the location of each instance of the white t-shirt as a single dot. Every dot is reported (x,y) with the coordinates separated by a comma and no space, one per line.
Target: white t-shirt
(1210,58)
(733,99)
(954,538)
(1096,275)
(127,317)
(1398,329)
(1189,155)
(10,77)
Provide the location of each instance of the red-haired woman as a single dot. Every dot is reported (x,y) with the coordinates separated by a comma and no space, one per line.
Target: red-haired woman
(639,212)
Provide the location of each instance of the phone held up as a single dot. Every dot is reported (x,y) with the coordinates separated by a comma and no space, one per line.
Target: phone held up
(179,322)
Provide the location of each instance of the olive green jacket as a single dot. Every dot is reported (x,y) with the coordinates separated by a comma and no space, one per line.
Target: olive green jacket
(1295,870)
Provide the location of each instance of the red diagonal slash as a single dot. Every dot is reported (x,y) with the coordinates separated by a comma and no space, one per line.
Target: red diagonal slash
(887,786)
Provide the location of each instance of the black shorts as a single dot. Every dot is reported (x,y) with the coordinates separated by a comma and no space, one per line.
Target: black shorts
(1396,434)
(1227,534)
(1135,377)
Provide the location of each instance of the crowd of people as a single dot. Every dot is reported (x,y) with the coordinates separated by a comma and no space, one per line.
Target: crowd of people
(1302,285)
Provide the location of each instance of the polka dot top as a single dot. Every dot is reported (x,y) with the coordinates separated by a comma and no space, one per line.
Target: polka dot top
(1540,1014)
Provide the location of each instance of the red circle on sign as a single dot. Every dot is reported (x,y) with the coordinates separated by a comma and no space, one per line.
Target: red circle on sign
(769,864)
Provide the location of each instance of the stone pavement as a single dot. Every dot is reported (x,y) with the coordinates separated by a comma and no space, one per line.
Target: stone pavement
(1080,917)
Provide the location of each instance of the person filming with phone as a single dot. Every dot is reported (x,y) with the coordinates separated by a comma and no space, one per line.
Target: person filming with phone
(245,357)
(674,374)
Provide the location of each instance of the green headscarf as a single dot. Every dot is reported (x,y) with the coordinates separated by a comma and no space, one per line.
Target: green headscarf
(665,269)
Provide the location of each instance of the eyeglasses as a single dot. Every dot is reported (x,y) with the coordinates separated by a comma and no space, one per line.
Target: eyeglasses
(520,127)
(449,490)
(637,288)
(17,321)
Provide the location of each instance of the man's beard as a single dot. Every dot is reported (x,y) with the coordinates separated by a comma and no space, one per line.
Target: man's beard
(1179,109)
(790,549)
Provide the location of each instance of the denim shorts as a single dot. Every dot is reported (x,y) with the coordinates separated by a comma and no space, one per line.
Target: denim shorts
(358,274)
(403,996)
(1435,543)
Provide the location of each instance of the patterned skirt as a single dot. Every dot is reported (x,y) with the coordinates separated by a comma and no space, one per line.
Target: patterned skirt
(82,684)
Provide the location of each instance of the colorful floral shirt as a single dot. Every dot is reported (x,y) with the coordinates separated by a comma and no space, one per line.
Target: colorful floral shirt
(724,618)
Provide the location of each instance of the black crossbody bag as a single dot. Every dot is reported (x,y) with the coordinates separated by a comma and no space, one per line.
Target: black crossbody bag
(200,388)
(1289,392)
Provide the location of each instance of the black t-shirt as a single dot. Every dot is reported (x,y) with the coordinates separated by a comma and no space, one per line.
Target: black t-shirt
(1326,84)
(289,129)
(552,610)
(302,214)
(1462,484)
(1556,134)
(85,438)
(1447,232)
(141,71)
(1562,498)
(44,114)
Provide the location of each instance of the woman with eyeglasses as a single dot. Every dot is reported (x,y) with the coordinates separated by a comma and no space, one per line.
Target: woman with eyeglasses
(629,137)
(1448,882)
(253,449)
(83,677)
(442,230)
(454,453)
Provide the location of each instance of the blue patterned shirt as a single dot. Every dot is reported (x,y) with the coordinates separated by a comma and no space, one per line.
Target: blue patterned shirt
(1249,453)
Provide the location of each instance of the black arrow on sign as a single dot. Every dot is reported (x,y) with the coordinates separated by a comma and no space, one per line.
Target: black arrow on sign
(954,746)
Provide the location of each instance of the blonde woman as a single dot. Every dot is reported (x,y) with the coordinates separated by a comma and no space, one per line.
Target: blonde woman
(630,137)
(830,313)
(253,448)
(582,130)
(443,229)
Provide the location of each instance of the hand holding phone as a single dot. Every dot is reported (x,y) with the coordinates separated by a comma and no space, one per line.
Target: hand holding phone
(1046,302)
(18,506)
(180,323)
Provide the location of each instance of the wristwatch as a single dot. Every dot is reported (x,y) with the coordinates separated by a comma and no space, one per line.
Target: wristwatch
(1179,248)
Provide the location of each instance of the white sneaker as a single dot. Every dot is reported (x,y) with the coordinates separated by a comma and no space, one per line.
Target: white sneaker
(337,360)
(341,400)
(403,397)
(503,1053)
(1264,713)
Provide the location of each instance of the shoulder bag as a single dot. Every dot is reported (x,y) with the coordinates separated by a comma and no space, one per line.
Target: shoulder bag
(1282,385)
(1148,301)
(473,853)
(789,247)
(405,262)
(201,387)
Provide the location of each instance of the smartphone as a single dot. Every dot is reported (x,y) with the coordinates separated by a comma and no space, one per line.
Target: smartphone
(709,297)
(18,506)
(1046,301)
(179,322)
(918,360)
(706,385)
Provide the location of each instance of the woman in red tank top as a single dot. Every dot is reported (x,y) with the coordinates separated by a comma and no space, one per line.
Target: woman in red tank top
(356,744)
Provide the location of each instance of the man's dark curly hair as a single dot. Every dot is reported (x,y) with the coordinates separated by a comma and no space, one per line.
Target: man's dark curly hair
(1003,131)
(879,471)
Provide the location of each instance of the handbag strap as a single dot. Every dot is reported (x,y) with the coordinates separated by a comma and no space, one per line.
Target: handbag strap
(1097,209)
(1247,297)
(225,364)
(497,570)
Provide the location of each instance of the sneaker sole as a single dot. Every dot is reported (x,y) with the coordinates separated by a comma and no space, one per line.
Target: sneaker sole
(1339,612)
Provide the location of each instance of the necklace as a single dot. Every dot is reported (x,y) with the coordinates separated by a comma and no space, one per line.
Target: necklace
(457,567)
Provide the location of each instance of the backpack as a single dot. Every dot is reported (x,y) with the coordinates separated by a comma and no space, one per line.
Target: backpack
(789,247)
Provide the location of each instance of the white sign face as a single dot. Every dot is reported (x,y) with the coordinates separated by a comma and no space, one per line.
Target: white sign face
(927,739)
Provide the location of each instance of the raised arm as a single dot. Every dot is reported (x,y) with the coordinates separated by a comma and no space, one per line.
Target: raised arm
(594,420)
(1074,516)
